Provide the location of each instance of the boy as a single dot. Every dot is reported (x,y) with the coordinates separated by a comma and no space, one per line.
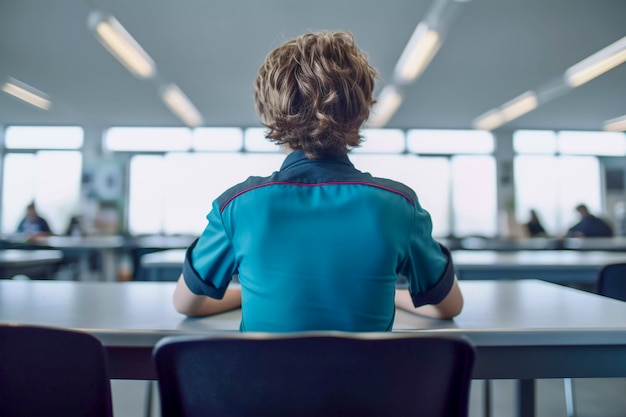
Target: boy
(318,245)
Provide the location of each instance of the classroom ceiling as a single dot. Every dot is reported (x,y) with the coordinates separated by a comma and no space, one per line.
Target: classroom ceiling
(493,50)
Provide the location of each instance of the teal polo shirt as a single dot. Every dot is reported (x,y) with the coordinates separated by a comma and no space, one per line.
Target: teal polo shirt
(318,245)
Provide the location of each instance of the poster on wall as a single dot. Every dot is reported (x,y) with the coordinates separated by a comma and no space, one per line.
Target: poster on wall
(103,193)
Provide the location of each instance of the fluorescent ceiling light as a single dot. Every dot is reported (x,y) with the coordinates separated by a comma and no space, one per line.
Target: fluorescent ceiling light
(26,93)
(489,121)
(388,102)
(121,44)
(181,106)
(597,64)
(617,124)
(417,54)
(519,106)
(510,110)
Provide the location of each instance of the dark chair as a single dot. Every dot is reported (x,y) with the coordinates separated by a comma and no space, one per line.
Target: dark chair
(314,374)
(52,372)
(612,281)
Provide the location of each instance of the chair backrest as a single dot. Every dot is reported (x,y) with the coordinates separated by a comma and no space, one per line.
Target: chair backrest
(314,374)
(52,372)
(612,281)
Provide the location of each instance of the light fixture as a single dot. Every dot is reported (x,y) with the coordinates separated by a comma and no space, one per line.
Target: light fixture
(417,54)
(385,107)
(510,110)
(489,121)
(519,106)
(181,106)
(617,124)
(26,93)
(597,64)
(112,35)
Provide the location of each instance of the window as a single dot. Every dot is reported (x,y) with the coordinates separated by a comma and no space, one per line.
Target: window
(474,202)
(534,142)
(147,139)
(42,164)
(591,143)
(468,177)
(173,193)
(389,141)
(50,178)
(255,141)
(428,177)
(44,137)
(425,141)
(554,186)
(217,139)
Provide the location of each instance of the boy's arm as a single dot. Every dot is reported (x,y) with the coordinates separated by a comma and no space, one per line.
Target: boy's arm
(448,308)
(193,305)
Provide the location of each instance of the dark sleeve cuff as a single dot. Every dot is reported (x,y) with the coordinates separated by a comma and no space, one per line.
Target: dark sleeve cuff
(194,281)
(440,290)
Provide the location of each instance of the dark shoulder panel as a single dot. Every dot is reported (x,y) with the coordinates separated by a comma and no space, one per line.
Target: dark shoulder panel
(311,173)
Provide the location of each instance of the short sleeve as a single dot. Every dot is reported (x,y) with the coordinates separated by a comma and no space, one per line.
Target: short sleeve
(210,261)
(428,266)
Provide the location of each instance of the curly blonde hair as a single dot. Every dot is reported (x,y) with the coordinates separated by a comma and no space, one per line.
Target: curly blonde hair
(314,92)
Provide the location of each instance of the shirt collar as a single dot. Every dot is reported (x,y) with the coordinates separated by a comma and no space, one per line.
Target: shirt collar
(297,157)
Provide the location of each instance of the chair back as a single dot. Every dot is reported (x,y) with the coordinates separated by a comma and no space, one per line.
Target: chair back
(52,372)
(314,374)
(612,281)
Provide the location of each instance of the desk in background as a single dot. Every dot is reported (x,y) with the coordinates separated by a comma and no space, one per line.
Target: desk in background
(165,265)
(142,246)
(160,242)
(35,264)
(500,244)
(561,267)
(558,266)
(522,330)
(106,247)
(160,257)
(613,244)
(80,250)
(609,244)
(98,257)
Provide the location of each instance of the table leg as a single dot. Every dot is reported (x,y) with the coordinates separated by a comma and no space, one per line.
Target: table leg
(109,265)
(487,398)
(84,267)
(526,398)
(148,400)
(569,397)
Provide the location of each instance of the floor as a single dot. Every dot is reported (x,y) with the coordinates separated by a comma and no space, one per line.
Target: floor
(593,398)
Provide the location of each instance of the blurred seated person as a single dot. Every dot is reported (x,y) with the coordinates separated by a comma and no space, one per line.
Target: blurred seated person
(75,227)
(589,225)
(33,224)
(534,226)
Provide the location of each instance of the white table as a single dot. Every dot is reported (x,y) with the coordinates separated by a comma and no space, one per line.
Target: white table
(558,266)
(521,314)
(616,243)
(107,246)
(523,329)
(161,241)
(165,265)
(32,263)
